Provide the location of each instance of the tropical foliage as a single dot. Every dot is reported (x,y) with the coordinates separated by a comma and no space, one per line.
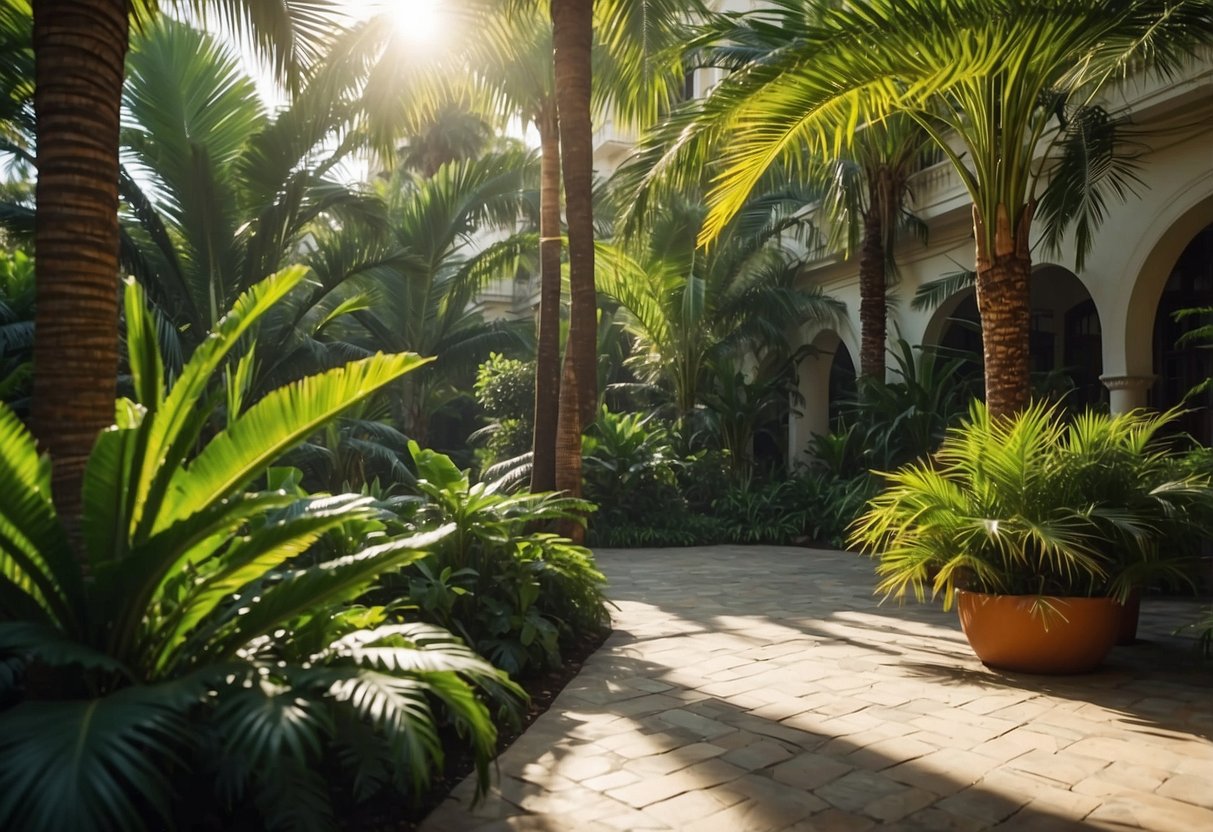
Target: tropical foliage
(16,327)
(689,309)
(183,635)
(1038,505)
(1002,87)
(517,595)
(505,391)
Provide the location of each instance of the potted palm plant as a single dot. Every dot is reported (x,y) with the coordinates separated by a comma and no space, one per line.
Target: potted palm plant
(1038,527)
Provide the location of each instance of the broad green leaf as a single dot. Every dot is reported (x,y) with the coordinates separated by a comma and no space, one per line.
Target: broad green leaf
(175,429)
(34,554)
(274,425)
(307,589)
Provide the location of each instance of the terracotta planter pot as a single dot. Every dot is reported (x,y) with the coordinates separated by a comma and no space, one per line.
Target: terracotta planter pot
(1072,636)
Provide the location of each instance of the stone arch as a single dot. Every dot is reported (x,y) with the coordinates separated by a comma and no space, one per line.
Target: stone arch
(1153,270)
(1182,366)
(942,319)
(1066,332)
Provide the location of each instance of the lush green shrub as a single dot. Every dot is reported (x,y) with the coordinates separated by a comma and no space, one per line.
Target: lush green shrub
(186,661)
(16,327)
(1038,504)
(704,477)
(516,595)
(505,391)
(630,469)
(650,495)
(890,423)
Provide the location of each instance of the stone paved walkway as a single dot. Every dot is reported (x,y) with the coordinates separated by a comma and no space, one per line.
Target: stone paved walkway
(761,688)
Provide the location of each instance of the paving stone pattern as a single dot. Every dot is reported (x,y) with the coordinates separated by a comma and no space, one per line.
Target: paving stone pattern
(764,688)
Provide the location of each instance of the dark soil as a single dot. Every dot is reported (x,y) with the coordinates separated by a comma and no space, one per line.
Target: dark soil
(390,814)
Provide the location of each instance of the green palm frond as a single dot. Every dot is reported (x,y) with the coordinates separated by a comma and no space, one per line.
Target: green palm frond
(979,72)
(276,423)
(265,722)
(1034,505)
(302,589)
(291,34)
(38,581)
(110,755)
(1099,158)
(933,293)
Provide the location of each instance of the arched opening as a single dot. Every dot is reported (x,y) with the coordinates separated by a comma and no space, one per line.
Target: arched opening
(825,376)
(1181,362)
(1066,336)
(842,382)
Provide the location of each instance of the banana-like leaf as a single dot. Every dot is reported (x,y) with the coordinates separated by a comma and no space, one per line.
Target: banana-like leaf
(143,349)
(176,427)
(107,496)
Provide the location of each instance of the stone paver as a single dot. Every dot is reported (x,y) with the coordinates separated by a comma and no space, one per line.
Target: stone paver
(765,689)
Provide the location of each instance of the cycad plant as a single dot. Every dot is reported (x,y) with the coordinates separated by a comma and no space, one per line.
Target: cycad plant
(219,192)
(173,643)
(1037,505)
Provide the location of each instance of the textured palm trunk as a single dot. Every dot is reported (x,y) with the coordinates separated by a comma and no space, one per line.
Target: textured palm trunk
(873,325)
(547,353)
(1004,302)
(572,32)
(80,52)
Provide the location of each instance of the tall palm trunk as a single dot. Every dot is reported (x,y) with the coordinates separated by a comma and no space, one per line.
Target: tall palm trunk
(547,354)
(1004,302)
(872,314)
(80,52)
(886,194)
(572,31)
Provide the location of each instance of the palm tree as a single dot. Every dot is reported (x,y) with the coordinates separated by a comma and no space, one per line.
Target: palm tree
(503,70)
(860,195)
(453,134)
(79,49)
(690,308)
(572,42)
(217,192)
(1004,88)
(148,648)
(418,284)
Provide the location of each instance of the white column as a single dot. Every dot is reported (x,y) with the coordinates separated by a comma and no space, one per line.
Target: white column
(1127,393)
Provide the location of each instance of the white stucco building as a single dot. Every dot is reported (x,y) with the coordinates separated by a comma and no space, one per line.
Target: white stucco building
(1110,324)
